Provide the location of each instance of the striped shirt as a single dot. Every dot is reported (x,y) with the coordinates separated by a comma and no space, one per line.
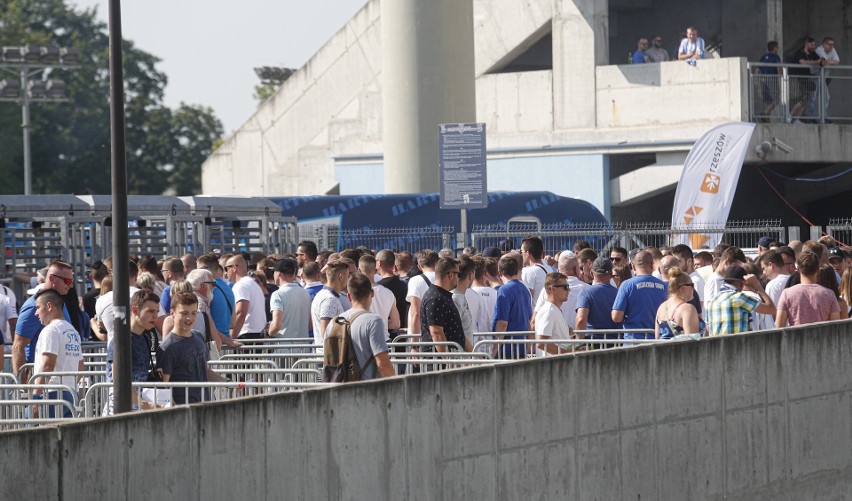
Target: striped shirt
(730,311)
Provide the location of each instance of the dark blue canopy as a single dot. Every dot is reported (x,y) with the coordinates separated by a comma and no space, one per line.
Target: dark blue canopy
(395,211)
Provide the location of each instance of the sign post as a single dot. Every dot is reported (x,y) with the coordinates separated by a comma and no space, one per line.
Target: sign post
(464,182)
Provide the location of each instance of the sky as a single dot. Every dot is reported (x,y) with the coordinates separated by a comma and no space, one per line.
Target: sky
(209,48)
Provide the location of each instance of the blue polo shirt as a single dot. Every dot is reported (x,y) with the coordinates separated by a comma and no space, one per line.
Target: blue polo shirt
(639,299)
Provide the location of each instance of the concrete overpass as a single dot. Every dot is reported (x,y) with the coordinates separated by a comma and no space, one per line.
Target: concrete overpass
(751,417)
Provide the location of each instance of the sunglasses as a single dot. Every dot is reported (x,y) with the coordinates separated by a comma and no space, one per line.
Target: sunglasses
(66,281)
(561,286)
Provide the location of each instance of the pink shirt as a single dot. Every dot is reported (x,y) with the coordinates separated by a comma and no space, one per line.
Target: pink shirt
(807,303)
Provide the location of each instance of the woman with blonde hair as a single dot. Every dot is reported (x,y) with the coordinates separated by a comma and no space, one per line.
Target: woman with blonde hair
(676,318)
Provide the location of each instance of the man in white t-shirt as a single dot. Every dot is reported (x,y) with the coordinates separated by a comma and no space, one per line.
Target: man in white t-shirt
(58,349)
(550,323)
(467,300)
(326,304)
(777,264)
(488,295)
(534,272)
(418,285)
(570,267)
(687,259)
(384,302)
(729,257)
(249,304)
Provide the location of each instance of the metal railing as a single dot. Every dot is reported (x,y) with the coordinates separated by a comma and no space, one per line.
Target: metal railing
(559,237)
(840,230)
(797,92)
(331,237)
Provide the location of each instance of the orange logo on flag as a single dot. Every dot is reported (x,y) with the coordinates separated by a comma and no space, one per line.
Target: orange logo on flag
(710,184)
(691,213)
(697,240)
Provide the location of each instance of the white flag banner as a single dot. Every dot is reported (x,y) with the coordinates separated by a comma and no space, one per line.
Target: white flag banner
(708,183)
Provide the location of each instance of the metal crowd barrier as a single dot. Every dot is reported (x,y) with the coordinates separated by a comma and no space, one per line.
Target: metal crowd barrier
(270,375)
(282,360)
(97,395)
(19,412)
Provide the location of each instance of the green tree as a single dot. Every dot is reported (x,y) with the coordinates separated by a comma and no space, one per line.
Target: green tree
(71,141)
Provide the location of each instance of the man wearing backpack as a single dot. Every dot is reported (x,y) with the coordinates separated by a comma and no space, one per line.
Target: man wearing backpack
(367,332)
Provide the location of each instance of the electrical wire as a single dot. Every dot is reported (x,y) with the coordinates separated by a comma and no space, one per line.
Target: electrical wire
(809,180)
(760,170)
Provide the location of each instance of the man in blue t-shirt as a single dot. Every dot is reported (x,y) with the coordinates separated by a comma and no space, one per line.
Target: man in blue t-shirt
(513,309)
(638,298)
(640,56)
(770,79)
(594,305)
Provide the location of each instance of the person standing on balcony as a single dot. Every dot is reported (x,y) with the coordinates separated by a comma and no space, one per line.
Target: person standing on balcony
(769,78)
(829,57)
(657,54)
(640,56)
(804,85)
(692,47)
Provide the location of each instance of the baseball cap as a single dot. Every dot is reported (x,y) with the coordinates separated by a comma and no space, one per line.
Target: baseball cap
(735,272)
(491,252)
(836,253)
(287,266)
(784,249)
(506,245)
(602,265)
(764,242)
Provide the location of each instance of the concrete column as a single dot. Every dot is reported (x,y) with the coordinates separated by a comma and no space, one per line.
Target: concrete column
(580,43)
(427,79)
(775,21)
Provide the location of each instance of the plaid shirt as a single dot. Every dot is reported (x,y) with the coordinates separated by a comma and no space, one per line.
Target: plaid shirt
(730,311)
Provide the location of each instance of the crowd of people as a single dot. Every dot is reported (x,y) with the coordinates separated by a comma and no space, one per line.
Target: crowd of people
(184,308)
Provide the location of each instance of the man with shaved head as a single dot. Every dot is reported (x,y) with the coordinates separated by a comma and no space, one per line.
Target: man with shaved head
(638,298)
(249,304)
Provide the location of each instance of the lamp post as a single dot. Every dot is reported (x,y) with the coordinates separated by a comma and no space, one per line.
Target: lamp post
(27,62)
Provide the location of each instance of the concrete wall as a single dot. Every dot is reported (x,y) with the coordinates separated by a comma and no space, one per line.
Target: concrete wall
(751,417)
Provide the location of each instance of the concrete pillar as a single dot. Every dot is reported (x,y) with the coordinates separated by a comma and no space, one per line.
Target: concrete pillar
(580,43)
(775,21)
(427,79)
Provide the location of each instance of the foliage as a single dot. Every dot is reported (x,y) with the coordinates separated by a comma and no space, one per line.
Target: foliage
(71,141)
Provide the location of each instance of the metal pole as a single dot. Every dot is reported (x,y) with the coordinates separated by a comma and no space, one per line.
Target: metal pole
(25,115)
(121,279)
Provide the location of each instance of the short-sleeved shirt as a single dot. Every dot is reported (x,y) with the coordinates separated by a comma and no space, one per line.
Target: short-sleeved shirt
(769,57)
(730,311)
(325,306)
(313,288)
(295,303)
(569,307)
(803,56)
(533,277)
(639,299)
(383,303)
(513,306)
(551,323)
(640,57)
(687,47)
(29,326)
(246,289)
(166,299)
(61,339)
(657,55)
(468,325)
(7,312)
(486,308)
(222,306)
(368,339)
(807,303)
(184,359)
(399,290)
(417,286)
(599,299)
(437,308)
